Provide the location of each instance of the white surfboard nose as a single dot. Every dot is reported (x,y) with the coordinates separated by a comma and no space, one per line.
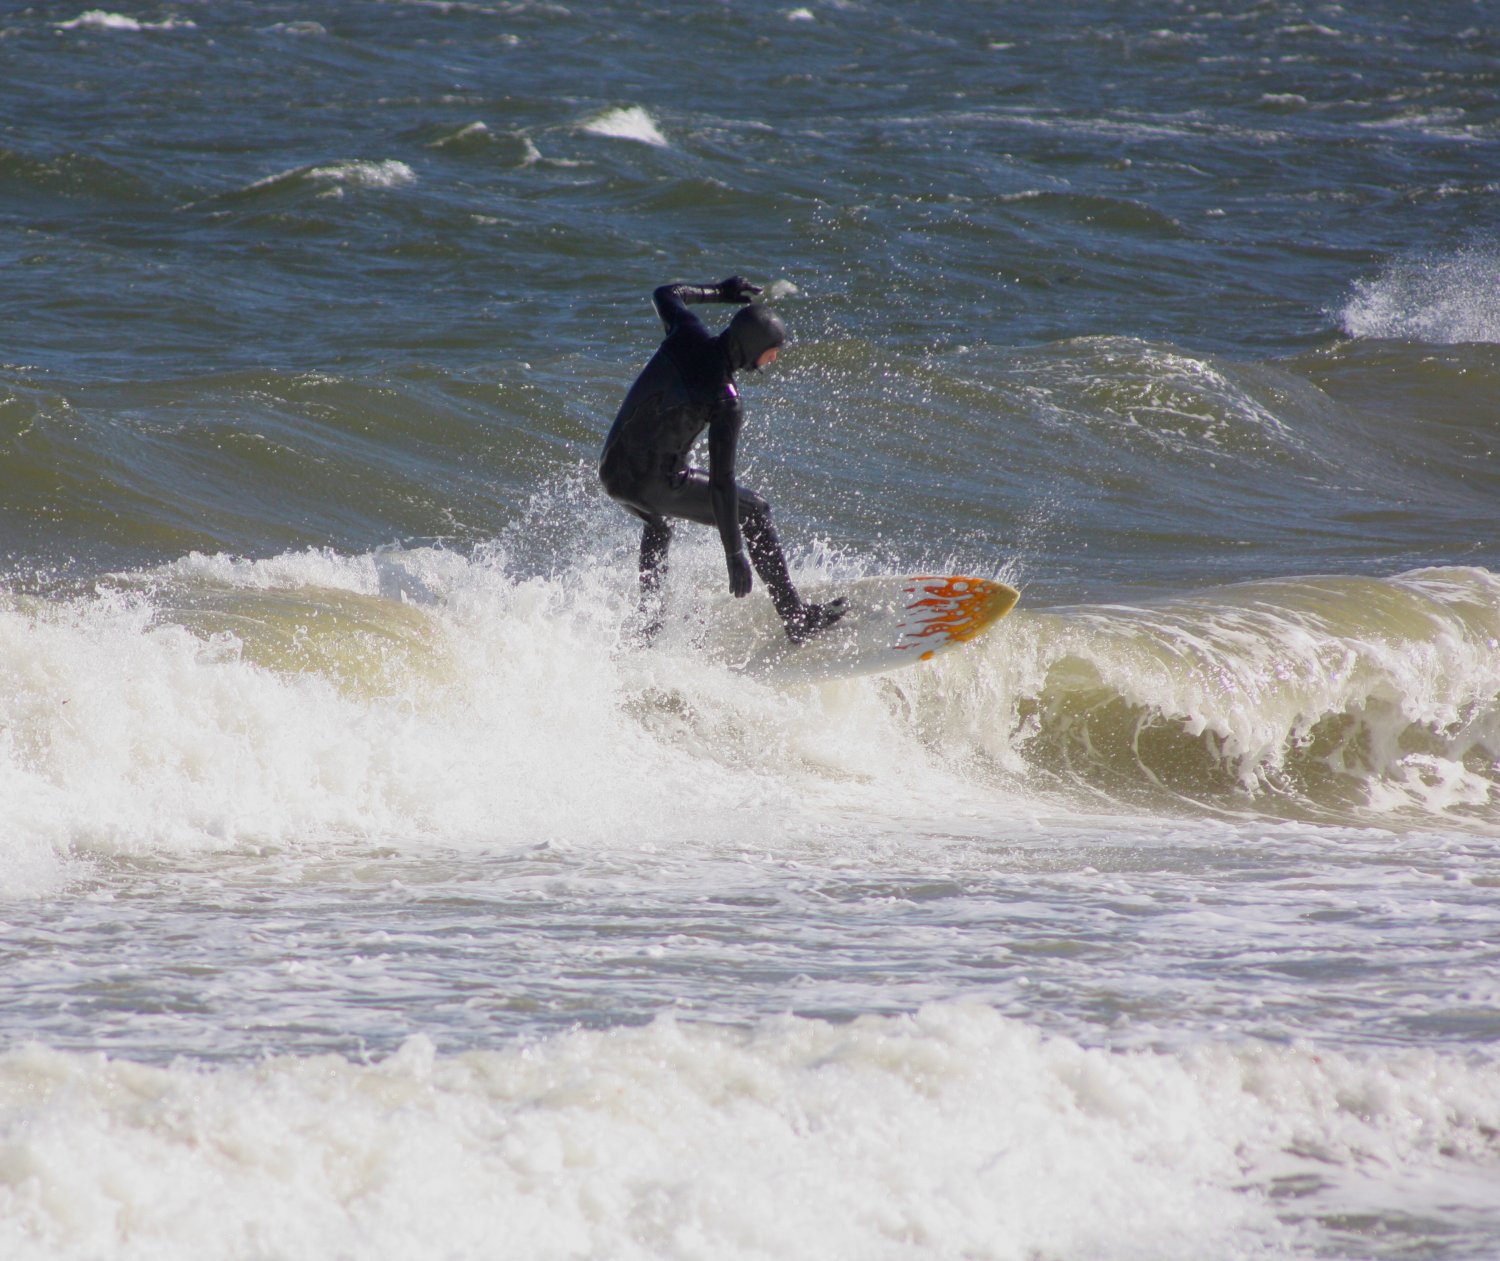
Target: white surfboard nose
(891,622)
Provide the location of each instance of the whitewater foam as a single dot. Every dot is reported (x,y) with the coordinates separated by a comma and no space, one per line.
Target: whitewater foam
(223,702)
(952,1132)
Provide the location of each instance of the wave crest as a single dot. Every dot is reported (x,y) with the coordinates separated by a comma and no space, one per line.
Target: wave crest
(1306,697)
(1438,300)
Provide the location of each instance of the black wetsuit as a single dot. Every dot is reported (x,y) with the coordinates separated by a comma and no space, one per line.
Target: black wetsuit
(687,387)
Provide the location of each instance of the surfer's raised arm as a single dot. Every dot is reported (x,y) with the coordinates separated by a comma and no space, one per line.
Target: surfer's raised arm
(671,301)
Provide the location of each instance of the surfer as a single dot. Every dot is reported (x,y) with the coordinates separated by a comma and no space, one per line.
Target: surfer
(688,386)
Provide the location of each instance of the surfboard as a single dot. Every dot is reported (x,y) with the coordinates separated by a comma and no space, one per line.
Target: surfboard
(892,622)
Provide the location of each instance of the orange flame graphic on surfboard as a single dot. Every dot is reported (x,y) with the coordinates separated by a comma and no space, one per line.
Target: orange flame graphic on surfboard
(950,610)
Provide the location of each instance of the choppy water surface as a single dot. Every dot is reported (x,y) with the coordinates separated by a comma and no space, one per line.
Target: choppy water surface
(363,894)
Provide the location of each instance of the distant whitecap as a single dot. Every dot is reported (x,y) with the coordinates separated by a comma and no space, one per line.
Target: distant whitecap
(471,133)
(1442,300)
(101,19)
(360,174)
(627,123)
(297,28)
(331,179)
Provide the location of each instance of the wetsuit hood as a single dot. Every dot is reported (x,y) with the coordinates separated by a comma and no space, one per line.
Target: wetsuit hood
(753,331)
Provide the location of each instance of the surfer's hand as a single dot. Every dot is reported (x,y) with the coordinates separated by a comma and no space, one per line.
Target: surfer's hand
(737,289)
(740,579)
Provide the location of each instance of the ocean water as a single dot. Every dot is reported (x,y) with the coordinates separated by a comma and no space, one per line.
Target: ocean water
(364,895)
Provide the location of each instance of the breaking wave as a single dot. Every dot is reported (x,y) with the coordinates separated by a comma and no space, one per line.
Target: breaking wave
(423,695)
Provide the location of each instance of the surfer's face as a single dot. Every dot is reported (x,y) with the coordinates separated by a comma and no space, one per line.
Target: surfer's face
(767,356)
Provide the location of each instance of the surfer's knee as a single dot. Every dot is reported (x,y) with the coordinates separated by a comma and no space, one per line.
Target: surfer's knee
(656,538)
(755,512)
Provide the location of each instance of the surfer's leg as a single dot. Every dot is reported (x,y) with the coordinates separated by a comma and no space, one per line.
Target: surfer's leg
(764,546)
(801,619)
(656,537)
(687,496)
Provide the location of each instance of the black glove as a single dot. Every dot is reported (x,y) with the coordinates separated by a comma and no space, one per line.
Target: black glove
(740,579)
(737,289)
